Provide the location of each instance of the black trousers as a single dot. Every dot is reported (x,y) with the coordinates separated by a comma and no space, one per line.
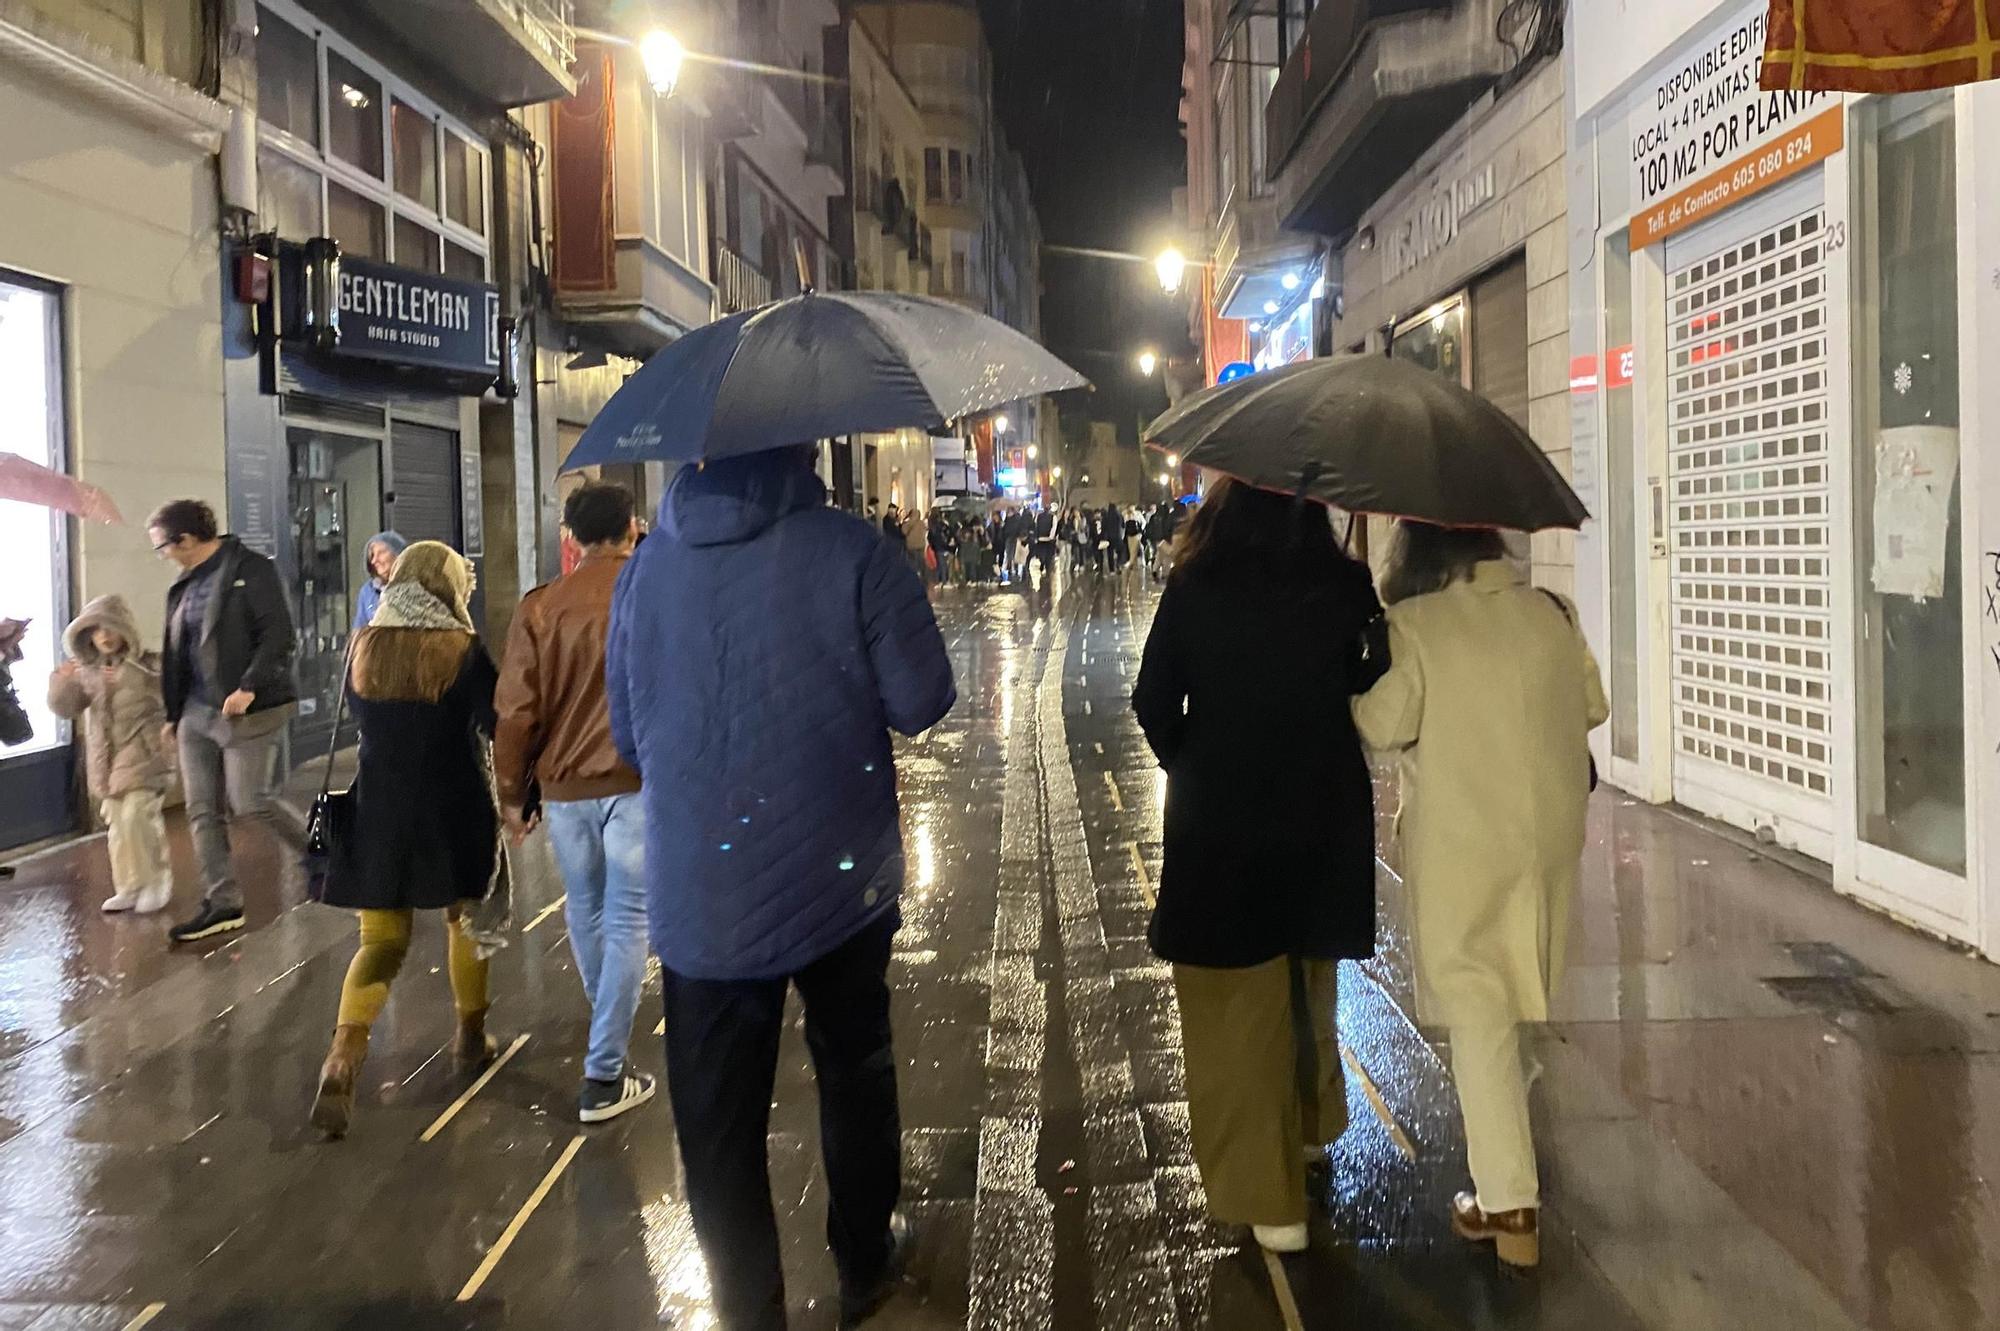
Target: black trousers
(722,1058)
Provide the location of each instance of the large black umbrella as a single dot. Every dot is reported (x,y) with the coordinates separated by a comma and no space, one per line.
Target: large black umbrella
(813,367)
(1369,434)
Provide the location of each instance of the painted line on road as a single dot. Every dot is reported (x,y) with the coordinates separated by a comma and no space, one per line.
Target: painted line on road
(1281,1285)
(1117,800)
(1379,1105)
(145,1317)
(1145,879)
(448,1115)
(514,1226)
(546,911)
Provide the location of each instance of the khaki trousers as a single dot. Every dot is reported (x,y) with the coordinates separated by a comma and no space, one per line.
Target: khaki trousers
(137,841)
(1493,1096)
(1264,1081)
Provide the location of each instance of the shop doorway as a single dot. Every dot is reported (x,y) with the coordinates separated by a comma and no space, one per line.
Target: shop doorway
(336,502)
(37,776)
(1749,524)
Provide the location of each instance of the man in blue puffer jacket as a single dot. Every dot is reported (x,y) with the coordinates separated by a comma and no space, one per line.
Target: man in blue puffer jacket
(762,647)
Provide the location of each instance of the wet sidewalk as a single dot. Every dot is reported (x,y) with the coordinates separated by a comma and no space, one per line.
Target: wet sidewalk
(1763,1107)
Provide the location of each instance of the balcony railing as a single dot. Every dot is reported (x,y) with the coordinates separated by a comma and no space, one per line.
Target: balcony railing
(739,284)
(550,24)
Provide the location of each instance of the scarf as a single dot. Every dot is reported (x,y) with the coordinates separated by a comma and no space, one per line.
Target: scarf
(408,605)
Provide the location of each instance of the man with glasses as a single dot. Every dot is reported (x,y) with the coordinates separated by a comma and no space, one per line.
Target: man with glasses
(226,674)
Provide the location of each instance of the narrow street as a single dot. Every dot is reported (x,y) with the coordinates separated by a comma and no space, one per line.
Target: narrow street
(1761,1106)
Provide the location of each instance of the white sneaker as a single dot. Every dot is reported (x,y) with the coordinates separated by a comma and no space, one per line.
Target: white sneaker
(1280,1238)
(154,898)
(119,901)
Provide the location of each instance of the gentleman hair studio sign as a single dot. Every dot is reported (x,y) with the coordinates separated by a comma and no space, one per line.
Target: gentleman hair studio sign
(1704,136)
(407,317)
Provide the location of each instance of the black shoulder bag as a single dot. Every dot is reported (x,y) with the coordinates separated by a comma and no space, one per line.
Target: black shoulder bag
(1562,608)
(331,822)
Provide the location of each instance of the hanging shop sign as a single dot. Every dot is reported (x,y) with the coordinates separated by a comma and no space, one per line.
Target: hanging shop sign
(406,317)
(397,326)
(1705,136)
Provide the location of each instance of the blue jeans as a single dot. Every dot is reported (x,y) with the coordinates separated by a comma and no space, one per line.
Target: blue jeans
(600,848)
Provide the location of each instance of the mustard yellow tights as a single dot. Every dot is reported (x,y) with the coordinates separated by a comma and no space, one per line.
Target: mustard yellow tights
(385,941)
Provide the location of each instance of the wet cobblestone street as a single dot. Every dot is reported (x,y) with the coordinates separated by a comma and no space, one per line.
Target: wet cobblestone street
(1762,1107)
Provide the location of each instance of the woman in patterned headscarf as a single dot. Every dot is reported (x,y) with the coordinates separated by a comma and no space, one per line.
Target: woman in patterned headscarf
(425,834)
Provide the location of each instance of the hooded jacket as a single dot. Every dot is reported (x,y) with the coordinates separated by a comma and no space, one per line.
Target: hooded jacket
(762,647)
(371,586)
(123,746)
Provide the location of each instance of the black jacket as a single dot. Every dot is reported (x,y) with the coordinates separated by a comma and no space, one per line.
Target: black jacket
(426,830)
(246,636)
(1270,829)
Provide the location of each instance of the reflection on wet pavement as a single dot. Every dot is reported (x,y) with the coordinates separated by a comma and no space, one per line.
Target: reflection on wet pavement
(1762,1106)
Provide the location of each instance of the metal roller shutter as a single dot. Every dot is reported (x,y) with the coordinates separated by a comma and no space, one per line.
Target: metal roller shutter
(1750,526)
(424,462)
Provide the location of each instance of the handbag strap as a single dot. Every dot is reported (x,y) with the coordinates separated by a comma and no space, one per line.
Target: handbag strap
(339,715)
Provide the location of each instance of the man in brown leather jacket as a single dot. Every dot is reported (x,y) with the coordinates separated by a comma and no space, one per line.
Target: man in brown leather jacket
(553,747)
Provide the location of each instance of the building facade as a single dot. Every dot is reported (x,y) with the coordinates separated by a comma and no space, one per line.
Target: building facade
(893,250)
(1774,299)
(111,344)
(373,382)
(979,236)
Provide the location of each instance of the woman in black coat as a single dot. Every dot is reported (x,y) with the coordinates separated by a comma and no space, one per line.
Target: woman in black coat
(1269,873)
(426,830)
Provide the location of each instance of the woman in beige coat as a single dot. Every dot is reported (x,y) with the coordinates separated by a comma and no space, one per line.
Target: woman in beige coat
(1490,695)
(117,682)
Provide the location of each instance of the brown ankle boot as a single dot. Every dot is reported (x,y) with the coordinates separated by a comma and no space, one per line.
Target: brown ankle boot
(333,1107)
(1516,1235)
(474,1048)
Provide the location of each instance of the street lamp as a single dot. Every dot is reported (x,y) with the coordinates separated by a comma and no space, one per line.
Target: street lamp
(662,54)
(1033,452)
(1166,480)
(1172,268)
(1173,459)
(1148,362)
(1000,424)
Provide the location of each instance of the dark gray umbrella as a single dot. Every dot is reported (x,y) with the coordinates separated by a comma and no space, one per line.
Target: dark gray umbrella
(814,367)
(1373,435)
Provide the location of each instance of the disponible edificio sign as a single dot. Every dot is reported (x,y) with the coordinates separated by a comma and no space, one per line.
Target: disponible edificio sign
(1706,110)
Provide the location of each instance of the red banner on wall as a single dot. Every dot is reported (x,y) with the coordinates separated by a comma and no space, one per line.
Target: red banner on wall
(1879,45)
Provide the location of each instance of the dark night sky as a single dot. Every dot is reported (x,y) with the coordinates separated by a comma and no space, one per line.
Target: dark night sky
(1089,93)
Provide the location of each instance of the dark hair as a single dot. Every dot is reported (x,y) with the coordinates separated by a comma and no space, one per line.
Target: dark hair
(1239,524)
(184,517)
(1428,559)
(598,511)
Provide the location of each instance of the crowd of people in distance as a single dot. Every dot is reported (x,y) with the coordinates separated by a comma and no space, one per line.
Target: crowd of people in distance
(999,547)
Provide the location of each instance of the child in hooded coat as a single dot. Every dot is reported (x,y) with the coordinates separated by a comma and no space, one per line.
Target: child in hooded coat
(113,678)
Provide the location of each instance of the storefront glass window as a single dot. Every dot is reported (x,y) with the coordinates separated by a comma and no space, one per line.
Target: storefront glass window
(1615,378)
(415,137)
(416,246)
(31,537)
(1910,708)
(356,222)
(464,264)
(354,115)
(287,196)
(464,183)
(287,78)
(1435,339)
